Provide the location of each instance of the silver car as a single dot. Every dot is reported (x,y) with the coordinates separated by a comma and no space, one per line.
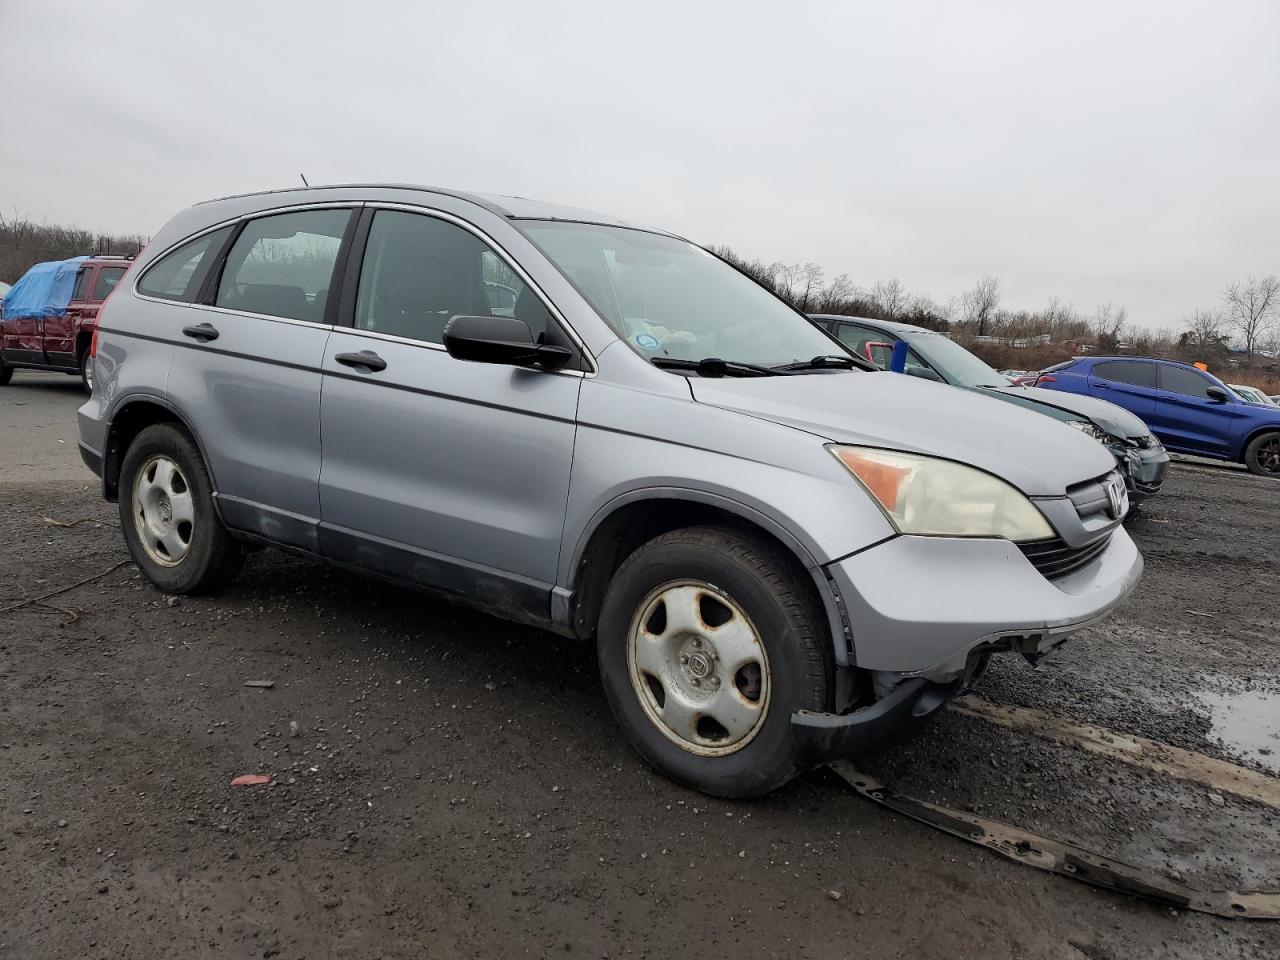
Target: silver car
(604,430)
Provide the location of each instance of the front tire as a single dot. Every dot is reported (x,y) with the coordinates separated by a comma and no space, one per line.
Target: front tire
(1262,456)
(6,373)
(168,517)
(709,640)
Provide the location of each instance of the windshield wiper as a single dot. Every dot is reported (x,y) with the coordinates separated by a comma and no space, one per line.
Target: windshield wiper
(715,367)
(831,361)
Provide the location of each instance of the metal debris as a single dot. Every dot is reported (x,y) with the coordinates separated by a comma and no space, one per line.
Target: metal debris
(1064,859)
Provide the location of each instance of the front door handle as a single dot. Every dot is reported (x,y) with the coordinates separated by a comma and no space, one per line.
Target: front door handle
(204,332)
(365,358)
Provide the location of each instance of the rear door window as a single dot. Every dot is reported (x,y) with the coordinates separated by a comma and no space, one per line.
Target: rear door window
(282,265)
(857,337)
(1188,383)
(1133,372)
(106,281)
(179,274)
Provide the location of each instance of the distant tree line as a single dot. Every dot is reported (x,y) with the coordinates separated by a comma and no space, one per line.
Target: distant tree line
(24,243)
(1248,313)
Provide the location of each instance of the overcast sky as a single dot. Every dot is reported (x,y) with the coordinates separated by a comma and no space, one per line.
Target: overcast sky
(1122,152)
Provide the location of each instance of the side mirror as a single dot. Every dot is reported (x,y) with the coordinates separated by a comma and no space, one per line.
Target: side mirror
(500,340)
(1217,394)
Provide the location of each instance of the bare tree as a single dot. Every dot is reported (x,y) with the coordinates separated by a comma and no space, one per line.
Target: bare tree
(891,297)
(979,305)
(1205,331)
(1251,308)
(1108,325)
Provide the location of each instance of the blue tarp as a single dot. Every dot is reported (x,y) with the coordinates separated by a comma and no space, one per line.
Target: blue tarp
(44,290)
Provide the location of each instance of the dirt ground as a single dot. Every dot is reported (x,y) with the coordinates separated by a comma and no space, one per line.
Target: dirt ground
(448,785)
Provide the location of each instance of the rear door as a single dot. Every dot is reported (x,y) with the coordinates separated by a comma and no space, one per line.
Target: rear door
(1186,417)
(450,474)
(58,334)
(246,369)
(1127,383)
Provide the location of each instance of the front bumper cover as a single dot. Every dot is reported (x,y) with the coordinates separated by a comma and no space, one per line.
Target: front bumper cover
(917,606)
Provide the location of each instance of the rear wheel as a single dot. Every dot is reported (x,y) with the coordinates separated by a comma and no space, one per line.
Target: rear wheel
(86,371)
(709,640)
(6,373)
(167,514)
(1263,455)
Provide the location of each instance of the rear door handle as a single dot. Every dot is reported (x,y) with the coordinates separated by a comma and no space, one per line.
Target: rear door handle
(204,332)
(365,358)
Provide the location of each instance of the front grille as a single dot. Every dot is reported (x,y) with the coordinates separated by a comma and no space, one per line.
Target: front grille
(1054,559)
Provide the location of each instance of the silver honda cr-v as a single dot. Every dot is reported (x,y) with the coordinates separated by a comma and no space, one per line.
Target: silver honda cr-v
(604,430)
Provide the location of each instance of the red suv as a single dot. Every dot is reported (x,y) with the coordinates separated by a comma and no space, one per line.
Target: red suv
(62,342)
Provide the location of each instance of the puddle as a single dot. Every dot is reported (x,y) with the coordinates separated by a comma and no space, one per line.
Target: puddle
(1246,724)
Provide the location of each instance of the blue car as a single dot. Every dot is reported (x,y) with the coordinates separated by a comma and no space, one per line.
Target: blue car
(1189,410)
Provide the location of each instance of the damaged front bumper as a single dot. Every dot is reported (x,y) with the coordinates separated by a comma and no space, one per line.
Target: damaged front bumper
(1143,468)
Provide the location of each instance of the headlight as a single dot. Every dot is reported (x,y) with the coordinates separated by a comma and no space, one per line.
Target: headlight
(931,497)
(1085,427)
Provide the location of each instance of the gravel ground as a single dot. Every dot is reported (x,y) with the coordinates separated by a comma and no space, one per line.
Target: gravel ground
(450,785)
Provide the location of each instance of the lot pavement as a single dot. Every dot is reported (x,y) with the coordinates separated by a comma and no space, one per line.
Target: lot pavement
(449,785)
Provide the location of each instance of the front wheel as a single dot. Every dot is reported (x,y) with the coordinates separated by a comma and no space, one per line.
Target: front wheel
(709,640)
(1263,456)
(6,373)
(168,517)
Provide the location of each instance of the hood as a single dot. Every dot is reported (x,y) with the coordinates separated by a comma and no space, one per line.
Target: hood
(1116,420)
(1038,456)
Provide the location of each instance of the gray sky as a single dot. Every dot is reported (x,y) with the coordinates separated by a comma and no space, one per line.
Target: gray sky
(1123,152)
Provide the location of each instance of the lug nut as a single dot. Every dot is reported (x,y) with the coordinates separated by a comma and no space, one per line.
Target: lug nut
(695,643)
(715,681)
(695,681)
(684,658)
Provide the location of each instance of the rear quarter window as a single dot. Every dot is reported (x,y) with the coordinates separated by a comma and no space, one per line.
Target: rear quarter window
(179,274)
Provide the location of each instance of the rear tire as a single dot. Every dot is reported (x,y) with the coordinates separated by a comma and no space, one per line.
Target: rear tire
(6,373)
(86,372)
(168,517)
(1262,456)
(673,679)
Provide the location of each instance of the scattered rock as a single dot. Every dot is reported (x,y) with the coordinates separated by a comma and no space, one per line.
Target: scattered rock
(834,894)
(1217,800)
(260,684)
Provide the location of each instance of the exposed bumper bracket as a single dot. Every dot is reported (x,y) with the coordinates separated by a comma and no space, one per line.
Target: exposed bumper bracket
(822,737)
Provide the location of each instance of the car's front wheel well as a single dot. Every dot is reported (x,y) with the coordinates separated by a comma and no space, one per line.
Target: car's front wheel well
(130,421)
(636,523)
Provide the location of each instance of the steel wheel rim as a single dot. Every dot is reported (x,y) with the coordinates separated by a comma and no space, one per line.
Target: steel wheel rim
(163,511)
(705,685)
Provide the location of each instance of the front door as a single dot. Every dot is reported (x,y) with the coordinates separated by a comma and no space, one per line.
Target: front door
(1186,417)
(447,473)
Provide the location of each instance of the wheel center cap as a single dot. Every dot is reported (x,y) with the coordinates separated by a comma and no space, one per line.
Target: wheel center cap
(699,665)
(166,510)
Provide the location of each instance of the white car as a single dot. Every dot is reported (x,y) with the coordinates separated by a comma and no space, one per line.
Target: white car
(1252,395)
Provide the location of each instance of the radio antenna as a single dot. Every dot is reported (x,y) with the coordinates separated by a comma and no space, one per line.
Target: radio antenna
(304,179)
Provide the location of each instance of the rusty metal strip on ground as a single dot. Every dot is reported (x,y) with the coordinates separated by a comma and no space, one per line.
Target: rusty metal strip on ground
(1064,859)
(1159,757)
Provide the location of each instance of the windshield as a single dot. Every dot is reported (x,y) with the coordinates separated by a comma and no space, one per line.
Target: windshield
(668,298)
(961,367)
